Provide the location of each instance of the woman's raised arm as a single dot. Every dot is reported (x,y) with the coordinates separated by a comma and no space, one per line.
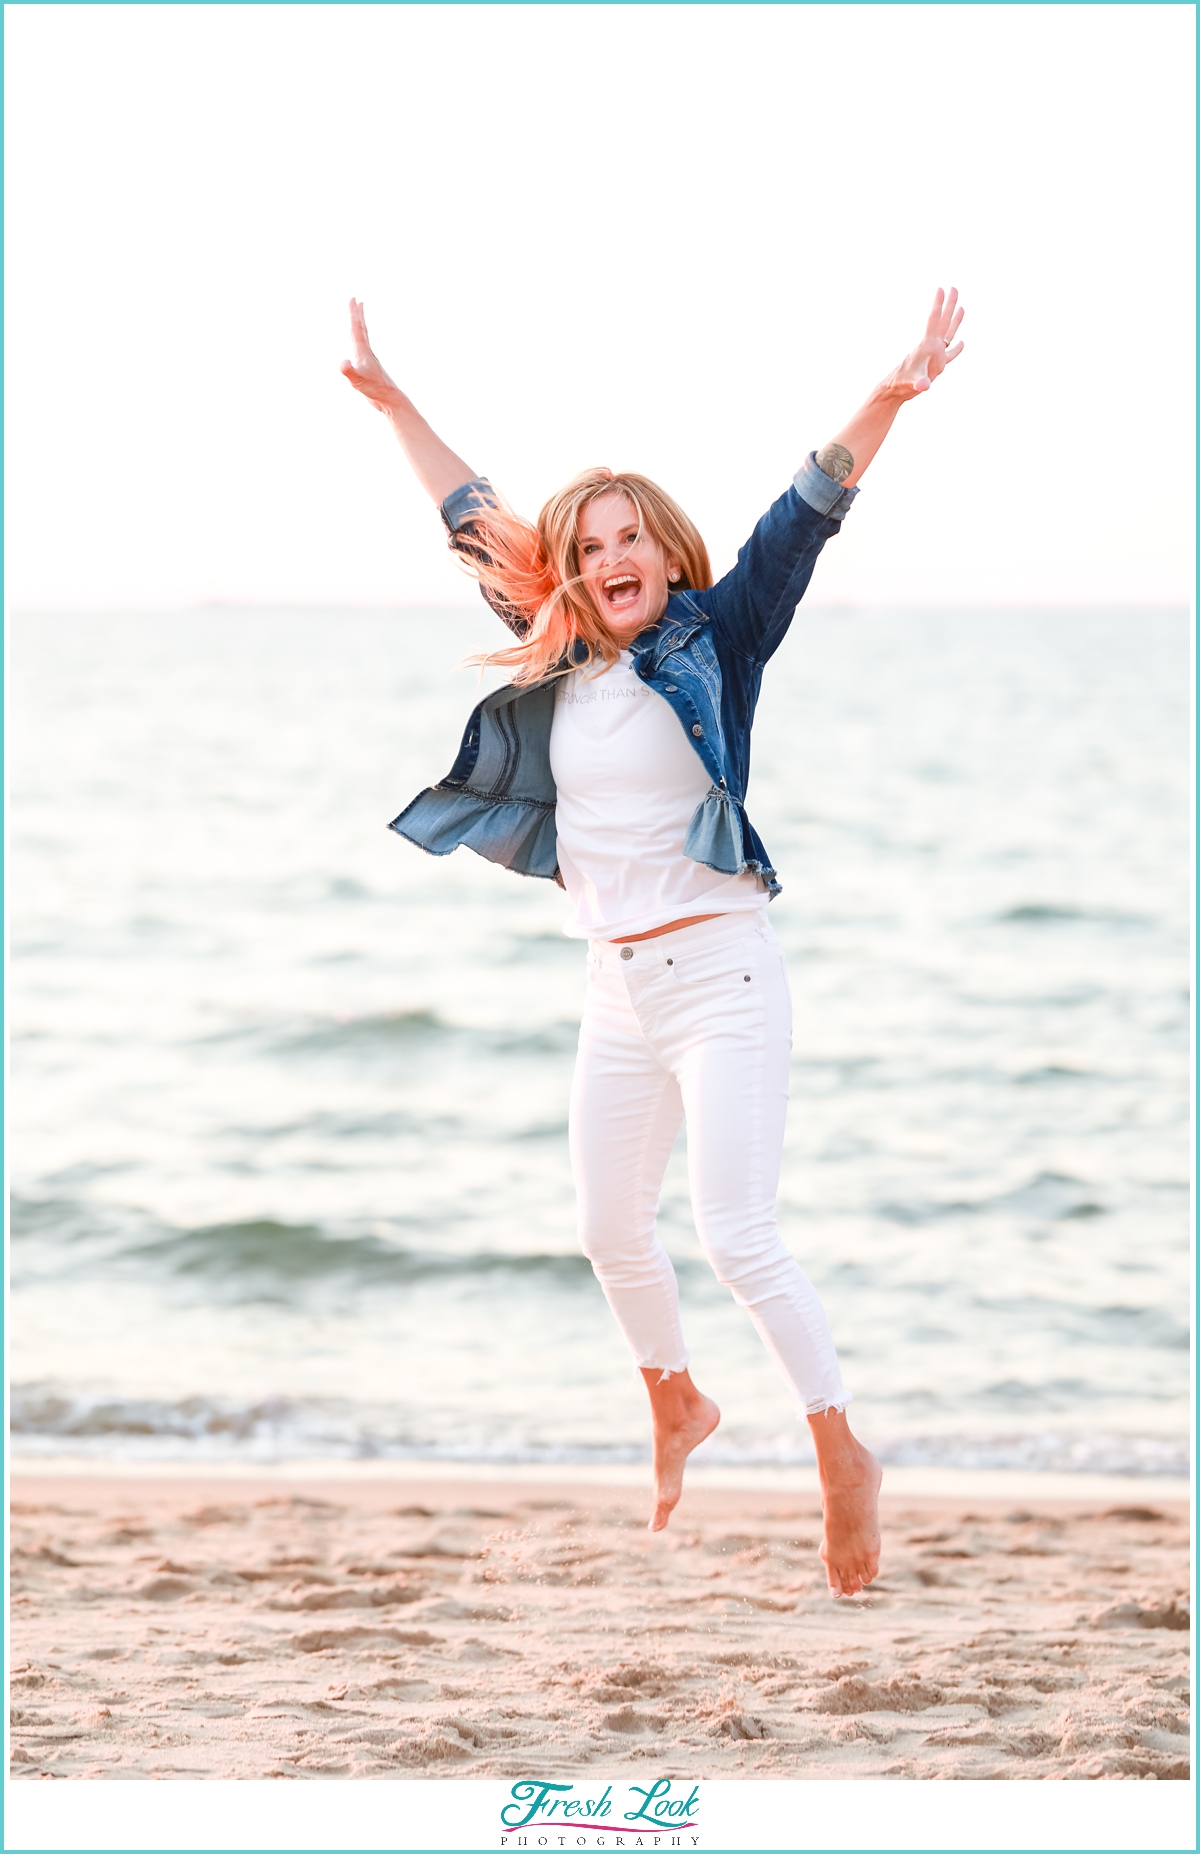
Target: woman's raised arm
(437,468)
(851,451)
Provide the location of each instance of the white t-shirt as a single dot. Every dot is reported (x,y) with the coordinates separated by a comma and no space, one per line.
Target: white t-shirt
(628,783)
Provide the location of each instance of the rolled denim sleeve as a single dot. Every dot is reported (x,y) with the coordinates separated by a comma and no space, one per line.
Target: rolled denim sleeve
(820,491)
(459,510)
(470,498)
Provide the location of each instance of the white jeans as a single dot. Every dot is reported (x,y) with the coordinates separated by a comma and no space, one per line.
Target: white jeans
(695,1023)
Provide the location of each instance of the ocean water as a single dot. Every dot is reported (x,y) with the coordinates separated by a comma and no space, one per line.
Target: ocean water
(288,1098)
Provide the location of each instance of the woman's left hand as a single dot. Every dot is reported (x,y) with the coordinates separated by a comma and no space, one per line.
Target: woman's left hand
(933,353)
(851,451)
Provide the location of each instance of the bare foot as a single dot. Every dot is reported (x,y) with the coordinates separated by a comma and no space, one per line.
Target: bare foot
(850,1478)
(683,1416)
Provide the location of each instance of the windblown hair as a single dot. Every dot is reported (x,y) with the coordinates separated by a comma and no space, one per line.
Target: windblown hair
(530,575)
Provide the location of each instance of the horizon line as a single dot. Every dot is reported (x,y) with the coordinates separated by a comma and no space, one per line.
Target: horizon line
(198,607)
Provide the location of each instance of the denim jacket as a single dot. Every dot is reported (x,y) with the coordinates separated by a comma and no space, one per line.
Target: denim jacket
(704,656)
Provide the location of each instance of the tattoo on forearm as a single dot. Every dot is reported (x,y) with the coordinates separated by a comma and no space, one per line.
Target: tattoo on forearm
(836,462)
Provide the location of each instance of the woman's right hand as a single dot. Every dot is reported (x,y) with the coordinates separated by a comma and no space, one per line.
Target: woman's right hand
(364,372)
(439,470)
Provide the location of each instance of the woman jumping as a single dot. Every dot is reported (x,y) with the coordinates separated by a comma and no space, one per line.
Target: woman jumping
(615,763)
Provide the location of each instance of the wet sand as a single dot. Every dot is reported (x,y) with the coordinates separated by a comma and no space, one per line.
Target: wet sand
(218,1628)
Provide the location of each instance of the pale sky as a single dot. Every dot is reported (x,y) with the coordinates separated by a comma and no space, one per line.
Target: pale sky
(680,239)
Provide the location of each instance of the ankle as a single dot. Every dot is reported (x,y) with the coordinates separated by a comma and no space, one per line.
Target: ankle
(678,1412)
(841,1457)
(849,1467)
(669,1390)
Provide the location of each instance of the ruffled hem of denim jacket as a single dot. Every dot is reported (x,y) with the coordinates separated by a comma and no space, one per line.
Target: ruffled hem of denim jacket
(714,838)
(520,833)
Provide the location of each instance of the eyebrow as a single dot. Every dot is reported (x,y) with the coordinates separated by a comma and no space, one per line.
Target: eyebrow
(632,527)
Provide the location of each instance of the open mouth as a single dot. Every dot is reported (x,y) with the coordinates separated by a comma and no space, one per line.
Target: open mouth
(621,590)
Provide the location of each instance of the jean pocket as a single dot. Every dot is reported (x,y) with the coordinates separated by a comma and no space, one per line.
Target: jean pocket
(731,964)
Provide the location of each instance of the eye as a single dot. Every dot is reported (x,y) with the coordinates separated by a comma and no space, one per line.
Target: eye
(590,547)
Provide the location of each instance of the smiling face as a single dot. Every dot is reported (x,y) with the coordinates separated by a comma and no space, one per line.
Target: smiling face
(624,569)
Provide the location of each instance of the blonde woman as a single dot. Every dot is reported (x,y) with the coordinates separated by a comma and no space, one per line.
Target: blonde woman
(615,763)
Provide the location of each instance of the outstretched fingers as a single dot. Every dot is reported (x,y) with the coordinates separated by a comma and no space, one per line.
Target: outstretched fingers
(358,331)
(944,317)
(939,346)
(364,371)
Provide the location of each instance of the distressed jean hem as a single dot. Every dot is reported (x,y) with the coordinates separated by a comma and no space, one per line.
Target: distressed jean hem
(666,1371)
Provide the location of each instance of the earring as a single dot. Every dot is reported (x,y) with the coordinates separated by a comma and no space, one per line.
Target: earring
(673,575)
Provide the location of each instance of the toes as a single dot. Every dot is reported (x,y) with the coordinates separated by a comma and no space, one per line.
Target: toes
(662,1513)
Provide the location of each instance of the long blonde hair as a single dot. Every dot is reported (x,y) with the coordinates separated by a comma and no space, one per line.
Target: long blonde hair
(532,573)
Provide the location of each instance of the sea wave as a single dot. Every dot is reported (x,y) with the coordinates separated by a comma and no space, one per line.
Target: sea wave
(47,1421)
(416,1035)
(1048,1197)
(1036,913)
(256,1253)
(388,1032)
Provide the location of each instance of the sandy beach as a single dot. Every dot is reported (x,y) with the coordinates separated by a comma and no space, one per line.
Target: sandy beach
(448,1628)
